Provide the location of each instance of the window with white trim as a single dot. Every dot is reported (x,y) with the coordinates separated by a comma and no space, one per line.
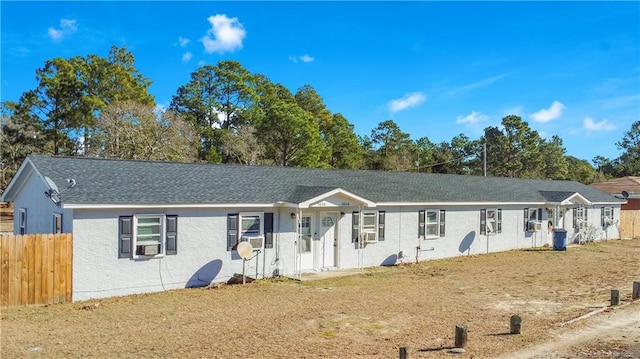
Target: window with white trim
(147,236)
(490,221)
(57,223)
(22,221)
(251,229)
(532,219)
(607,218)
(580,218)
(373,226)
(431,223)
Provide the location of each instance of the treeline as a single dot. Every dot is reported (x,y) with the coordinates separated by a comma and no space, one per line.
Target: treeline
(95,106)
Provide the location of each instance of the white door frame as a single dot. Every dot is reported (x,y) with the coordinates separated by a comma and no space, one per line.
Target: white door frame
(306,258)
(333,261)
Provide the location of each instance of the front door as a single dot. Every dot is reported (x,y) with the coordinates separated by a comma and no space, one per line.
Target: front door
(305,244)
(329,239)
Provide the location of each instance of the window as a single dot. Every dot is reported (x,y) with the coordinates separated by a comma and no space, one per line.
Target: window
(22,221)
(490,221)
(431,223)
(251,229)
(532,219)
(305,234)
(256,228)
(147,236)
(57,223)
(373,226)
(579,218)
(607,218)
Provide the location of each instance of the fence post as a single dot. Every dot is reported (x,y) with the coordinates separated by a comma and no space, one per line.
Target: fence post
(636,291)
(615,297)
(461,336)
(404,353)
(516,323)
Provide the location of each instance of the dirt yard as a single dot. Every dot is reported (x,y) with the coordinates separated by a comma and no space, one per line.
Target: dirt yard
(368,315)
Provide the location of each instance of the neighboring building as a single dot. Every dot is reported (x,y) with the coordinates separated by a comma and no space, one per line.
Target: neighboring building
(625,187)
(143,226)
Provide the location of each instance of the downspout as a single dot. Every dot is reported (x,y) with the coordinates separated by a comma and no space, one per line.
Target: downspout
(295,245)
(360,240)
(299,219)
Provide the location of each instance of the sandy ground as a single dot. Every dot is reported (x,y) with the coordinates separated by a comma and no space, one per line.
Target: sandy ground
(613,333)
(367,315)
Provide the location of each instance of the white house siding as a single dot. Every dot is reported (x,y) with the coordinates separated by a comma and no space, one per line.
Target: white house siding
(202,240)
(201,258)
(39,208)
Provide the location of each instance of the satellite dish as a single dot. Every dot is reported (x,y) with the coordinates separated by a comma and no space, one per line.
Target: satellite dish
(625,194)
(51,184)
(245,250)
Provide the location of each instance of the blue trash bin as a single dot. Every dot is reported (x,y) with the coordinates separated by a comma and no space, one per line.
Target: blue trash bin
(559,240)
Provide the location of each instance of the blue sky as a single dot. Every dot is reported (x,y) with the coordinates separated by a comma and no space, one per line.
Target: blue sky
(437,69)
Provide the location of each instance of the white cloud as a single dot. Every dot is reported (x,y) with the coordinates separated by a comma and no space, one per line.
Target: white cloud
(591,125)
(476,85)
(67,27)
(410,100)
(225,35)
(472,118)
(303,58)
(548,114)
(187,56)
(183,41)
(306,58)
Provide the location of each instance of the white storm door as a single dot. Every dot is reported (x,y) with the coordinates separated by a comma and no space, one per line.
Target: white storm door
(329,239)
(305,244)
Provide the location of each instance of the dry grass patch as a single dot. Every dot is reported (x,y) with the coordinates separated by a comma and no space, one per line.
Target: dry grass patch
(367,315)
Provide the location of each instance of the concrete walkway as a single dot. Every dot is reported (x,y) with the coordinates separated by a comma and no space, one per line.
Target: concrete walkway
(331,273)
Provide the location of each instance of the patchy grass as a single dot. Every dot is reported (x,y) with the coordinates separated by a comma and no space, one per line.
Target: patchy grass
(367,315)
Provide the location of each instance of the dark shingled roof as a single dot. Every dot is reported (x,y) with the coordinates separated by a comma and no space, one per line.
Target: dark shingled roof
(109,181)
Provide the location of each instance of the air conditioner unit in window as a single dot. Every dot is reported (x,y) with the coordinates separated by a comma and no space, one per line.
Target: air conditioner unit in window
(150,250)
(534,226)
(370,237)
(257,242)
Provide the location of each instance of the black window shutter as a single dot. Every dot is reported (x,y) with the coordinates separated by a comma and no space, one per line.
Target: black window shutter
(602,216)
(499,224)
(421,214)
(539,214)
(125,235)
(172,235)
(355,226)
(612,214)
(232,231)
(575,218)
(442,223)
(268,230)
(526,219)
(381,215)
(483,221)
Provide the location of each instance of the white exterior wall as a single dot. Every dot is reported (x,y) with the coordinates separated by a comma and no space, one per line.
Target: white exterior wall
(202,254)
(39,208)
(202,240)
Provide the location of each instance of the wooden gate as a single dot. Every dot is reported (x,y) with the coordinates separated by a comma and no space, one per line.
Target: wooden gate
(36,269)
(630,224)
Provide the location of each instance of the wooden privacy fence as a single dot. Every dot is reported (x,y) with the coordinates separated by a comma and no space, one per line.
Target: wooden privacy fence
(630,224)
(36,269)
